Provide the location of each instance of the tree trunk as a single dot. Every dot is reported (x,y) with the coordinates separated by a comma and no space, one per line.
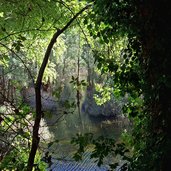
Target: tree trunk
(78,87)
(156,40)
(35,136)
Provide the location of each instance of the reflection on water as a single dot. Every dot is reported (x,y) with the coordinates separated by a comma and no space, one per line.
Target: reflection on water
(69,125)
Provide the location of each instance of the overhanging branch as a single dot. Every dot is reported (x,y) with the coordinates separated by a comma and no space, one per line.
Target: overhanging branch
(52,42)
(35,137)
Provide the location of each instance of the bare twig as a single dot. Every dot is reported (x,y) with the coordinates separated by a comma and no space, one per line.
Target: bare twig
(11,50)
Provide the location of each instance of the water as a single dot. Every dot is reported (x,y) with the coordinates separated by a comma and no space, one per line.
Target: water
(60,124)
(64,127)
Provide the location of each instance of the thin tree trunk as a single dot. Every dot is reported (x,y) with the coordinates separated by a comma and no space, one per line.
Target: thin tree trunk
(78,87)
(8,89)
(63,70)
(35,136)
(3,82)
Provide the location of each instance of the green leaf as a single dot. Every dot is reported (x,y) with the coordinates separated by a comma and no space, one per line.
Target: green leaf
(50,144)
(114,166)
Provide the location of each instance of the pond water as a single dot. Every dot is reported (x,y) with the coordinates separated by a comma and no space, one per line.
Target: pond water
(60,124)
(63,128)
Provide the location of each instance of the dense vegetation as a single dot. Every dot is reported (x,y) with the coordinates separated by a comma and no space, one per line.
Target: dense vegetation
(42,41)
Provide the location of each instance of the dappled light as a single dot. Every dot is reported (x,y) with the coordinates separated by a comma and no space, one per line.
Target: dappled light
(85,85)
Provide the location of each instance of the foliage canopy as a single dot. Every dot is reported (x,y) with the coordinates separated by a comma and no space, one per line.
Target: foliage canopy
(131,44)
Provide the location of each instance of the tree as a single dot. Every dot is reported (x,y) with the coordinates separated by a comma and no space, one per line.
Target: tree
(143,72)
(146,24)
(32,18)
(35,140)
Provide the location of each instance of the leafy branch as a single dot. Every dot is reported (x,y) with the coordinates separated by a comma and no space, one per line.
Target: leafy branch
(35,137)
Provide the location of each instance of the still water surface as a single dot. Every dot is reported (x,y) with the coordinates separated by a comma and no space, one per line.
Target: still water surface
(69,125)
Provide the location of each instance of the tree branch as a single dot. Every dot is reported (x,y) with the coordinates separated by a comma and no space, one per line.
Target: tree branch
(35,137)
(52,42)
(29,72)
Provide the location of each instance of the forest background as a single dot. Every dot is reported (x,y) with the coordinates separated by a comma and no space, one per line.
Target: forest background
(126,42)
